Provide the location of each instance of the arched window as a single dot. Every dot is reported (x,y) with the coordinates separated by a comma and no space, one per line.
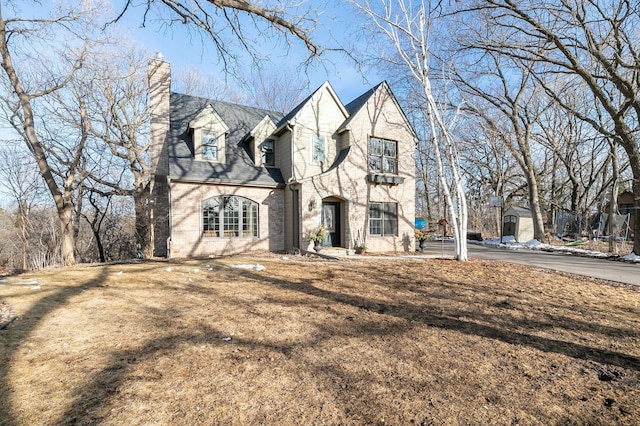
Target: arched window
(229,216)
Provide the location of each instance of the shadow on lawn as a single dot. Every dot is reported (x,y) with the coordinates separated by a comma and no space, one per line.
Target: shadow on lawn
(449,322)
(29,322)
(104,385)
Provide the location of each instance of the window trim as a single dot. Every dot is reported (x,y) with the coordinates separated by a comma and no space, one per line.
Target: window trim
(383,211)
(264,154)
(199,135)
(241,222)
(314,140)
(208,135)
(384,167)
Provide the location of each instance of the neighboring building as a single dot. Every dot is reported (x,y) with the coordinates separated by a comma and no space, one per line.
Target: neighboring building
(231,178)
(626,207)
(518,222)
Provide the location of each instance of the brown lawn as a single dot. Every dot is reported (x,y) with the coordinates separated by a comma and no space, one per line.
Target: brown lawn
(307,341)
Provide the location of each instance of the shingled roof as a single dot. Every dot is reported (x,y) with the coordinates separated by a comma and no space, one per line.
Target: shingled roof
(239,168)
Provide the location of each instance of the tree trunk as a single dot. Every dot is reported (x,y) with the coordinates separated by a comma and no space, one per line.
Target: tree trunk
(67,240)
(534,202)
(613,204)
(144,230)
(635,167)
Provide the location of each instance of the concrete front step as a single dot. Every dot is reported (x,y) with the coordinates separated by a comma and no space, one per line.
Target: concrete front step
(337,251)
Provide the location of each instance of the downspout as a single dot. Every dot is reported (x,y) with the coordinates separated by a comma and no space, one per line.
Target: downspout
(170,215)
(292,126)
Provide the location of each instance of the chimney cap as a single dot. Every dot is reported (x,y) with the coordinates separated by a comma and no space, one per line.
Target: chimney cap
(159,56)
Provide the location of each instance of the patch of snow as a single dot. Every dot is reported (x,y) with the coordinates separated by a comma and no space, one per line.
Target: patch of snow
(168,269)
(10,281)
(510,243)
(195,270)
(257,266)
(36,287)
(632,257)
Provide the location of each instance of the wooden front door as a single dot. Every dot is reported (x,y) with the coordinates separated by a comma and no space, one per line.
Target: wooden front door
(331,222)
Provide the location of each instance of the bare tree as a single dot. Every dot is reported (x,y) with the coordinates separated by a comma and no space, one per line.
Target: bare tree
(595,43)
(118,116)
(193,82)
(508,89)
(230,23)
(31,80)
(407,26)
(275,88)
(488,167)
(20,181)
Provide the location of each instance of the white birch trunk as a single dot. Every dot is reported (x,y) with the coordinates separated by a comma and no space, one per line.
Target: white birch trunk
(407,26)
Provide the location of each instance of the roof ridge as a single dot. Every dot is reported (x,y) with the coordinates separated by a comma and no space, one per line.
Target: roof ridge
(211,100)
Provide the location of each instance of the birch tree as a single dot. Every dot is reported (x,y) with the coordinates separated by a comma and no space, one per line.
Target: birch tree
(407,26)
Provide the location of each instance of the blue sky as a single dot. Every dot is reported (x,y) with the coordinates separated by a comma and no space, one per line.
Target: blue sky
(185,48)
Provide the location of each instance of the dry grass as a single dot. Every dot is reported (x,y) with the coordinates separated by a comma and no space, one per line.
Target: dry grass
(312,342)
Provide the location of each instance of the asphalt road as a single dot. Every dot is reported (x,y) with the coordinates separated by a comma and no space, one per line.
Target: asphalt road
(623,272)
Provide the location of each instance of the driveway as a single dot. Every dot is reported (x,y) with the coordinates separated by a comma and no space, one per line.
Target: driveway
(622,272)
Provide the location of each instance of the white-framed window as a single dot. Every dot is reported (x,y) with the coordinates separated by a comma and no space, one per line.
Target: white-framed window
(383,219)
(383,156)
(229,216)
(210,146)
(268,153)
(317,149)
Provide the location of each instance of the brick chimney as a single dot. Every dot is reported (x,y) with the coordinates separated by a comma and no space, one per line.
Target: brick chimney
(159,75)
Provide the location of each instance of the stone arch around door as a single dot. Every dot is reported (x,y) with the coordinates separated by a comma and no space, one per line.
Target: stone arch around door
(334,219)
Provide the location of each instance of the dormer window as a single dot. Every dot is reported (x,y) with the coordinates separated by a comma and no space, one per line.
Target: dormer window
(209,146)
(268,153)
(209,131)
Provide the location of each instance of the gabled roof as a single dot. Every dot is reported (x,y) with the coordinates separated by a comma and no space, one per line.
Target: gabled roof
(208,116)
(358,103)
(239,167)
(266,121)
(287,119)
(519,211)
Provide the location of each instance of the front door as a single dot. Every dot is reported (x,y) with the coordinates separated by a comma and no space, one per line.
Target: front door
(331,222)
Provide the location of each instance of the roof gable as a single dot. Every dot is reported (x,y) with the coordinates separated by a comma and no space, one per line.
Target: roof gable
(290,118)
(382,90)
(208,117)
(264,127)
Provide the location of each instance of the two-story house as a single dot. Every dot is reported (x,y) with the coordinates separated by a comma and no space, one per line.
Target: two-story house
(229,178)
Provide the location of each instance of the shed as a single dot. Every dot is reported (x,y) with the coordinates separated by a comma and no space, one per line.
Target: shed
(517,221)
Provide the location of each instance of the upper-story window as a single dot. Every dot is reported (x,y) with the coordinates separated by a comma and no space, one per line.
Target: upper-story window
(383,156)
(268,153)
(208,131)
(317,149)
(209,146)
